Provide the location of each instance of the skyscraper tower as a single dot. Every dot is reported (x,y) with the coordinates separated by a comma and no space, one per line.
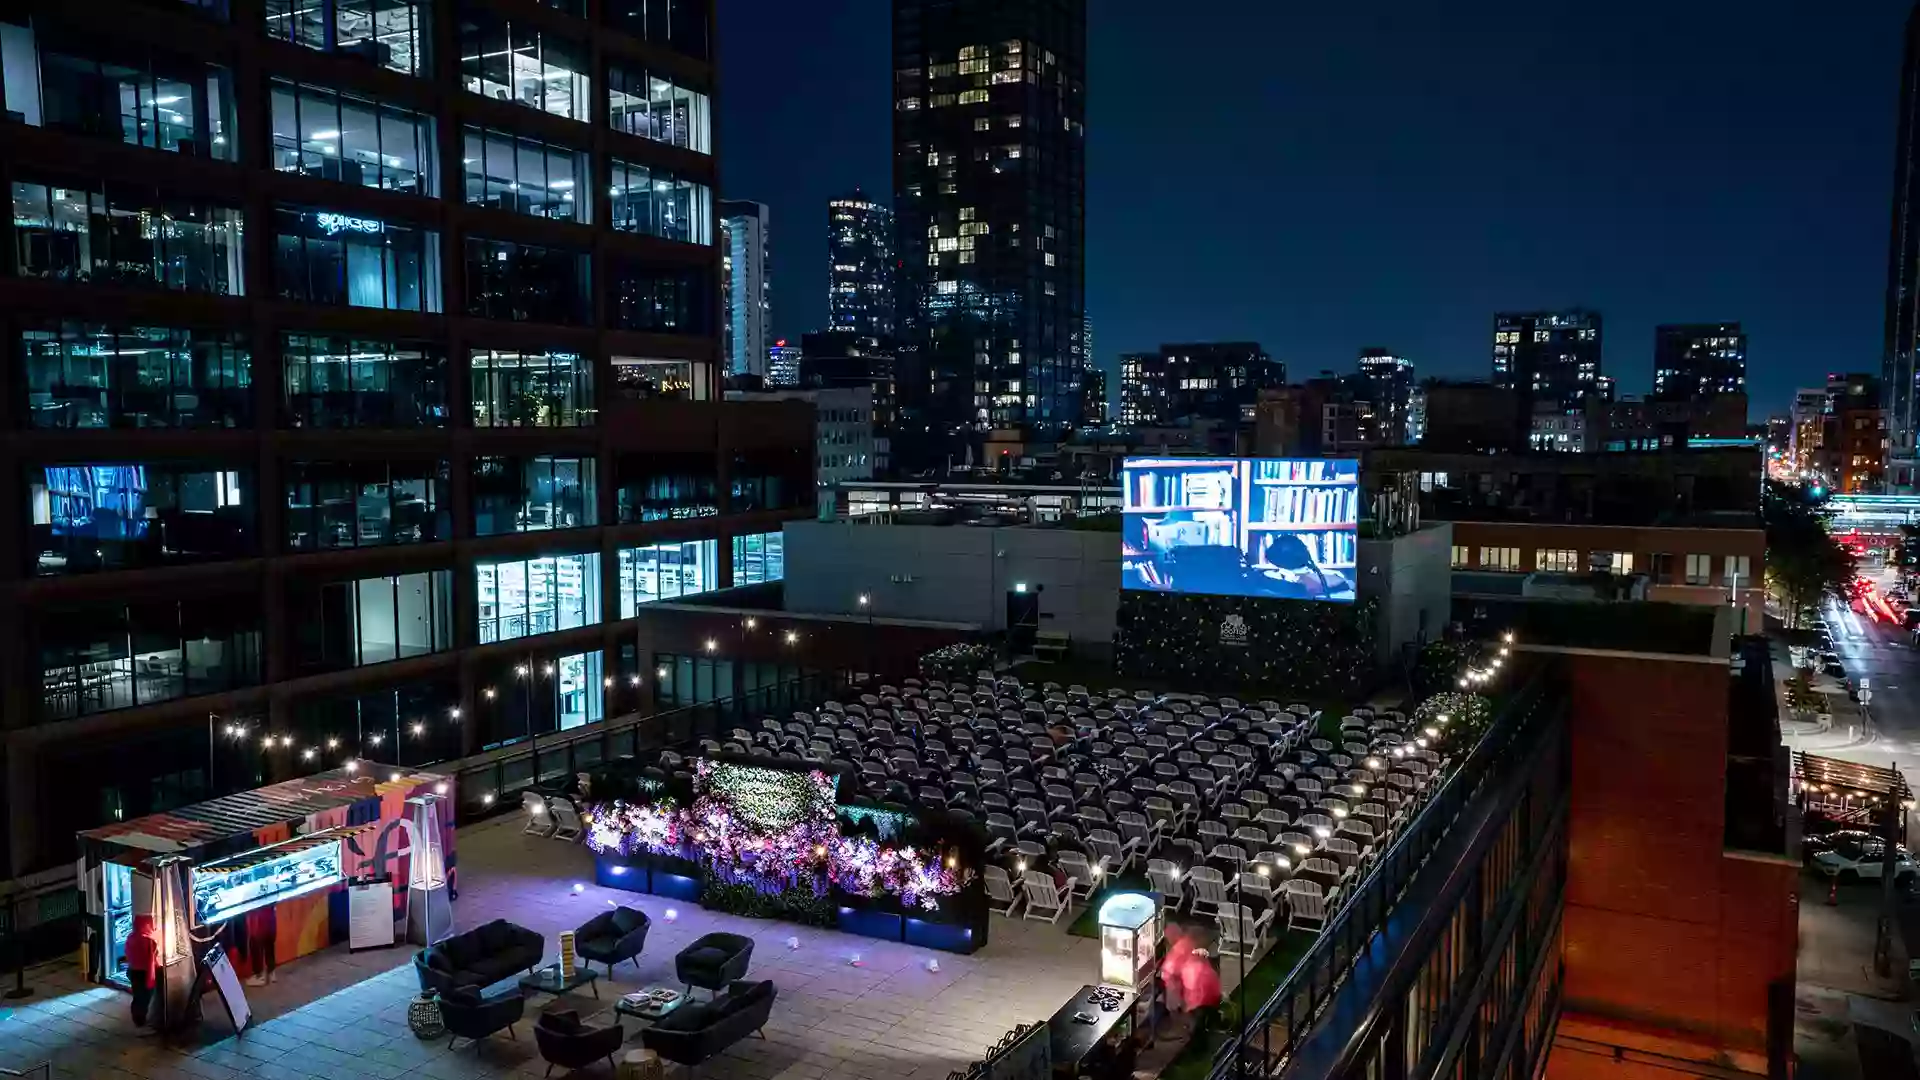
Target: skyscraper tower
(860,266)
(1388,382)
(1898,374)
(746,294)
(989,167)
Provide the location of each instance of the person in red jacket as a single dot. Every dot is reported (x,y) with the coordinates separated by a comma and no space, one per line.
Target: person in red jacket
(143,965)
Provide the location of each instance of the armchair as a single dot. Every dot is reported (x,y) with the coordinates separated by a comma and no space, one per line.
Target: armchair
(468,1015)
(613,936)
(713,961)
(565,1042)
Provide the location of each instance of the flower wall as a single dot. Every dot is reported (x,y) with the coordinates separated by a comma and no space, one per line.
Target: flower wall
(781,831)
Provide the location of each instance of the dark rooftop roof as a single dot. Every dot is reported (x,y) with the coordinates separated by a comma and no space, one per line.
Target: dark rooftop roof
(1637,626)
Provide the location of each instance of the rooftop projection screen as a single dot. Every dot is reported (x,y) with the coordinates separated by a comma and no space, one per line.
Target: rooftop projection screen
(1241,526)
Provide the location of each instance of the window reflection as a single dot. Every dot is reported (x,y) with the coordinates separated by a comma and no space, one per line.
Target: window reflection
(517,62)
(390,33)
(114,517)
(118,234)
(667,572)
(526,283)
(338,382)
(87,376)
(317,132)
(680,25)
(667,486)
(348,504)
(532,494)
(57,79)
(548,389)
(653,201)
(338,260)
(526,176)
(518,598)
(654,105)
(661,299)
(97,659)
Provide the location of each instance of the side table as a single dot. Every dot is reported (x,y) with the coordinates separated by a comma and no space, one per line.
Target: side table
(640,1065)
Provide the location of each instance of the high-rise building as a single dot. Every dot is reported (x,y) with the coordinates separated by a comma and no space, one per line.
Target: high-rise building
(1854,439)
(1218,381)
(1900,371)
(1093,393)
(989,160)
(860,266)
(356,374)
(1809,423)
(1692,361)
(1548,357)
(746,288)
(1386,380)
(783,364)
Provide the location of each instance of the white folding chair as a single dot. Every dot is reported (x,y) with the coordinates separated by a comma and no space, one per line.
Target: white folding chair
(1166,878)
(1306,906)
(566,820)
(539,822)
(1116,854)
(1045,900)
(1209,887)
(1082,877)
(1000,894)
(1241,933)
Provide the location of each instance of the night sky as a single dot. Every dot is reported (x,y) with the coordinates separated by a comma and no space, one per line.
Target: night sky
(1325,177)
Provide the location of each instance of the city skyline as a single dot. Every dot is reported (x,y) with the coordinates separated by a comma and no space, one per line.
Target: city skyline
(1406,240)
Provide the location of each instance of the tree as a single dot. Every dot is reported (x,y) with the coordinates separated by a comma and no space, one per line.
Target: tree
(1804,561)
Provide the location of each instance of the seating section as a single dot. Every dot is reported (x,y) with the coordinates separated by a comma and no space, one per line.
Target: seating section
(1236,811)
(480,957)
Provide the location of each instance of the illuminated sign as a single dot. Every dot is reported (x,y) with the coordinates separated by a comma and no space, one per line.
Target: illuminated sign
(335,224)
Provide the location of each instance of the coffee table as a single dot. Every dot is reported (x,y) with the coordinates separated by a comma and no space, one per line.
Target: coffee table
(548,980)
(649,1014)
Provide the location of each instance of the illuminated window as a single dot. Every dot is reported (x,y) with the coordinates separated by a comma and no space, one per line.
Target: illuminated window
(1462,556)
(1558,560)
(973,97)
(1499,558)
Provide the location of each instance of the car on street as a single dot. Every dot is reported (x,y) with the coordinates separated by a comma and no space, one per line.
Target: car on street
(1854,854)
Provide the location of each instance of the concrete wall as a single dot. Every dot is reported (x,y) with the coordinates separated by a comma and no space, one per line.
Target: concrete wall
(955,573)
(1411,578)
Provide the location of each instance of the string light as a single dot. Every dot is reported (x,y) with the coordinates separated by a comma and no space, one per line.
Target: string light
(333,743)
(521,671)
(489,692)
(633,680)
(792,637)
(419,728)
(454,713)
(752,622)
(548,670)
(309,753)
(712,644)
(607,683)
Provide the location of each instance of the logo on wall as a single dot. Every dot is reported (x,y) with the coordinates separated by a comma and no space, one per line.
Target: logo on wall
(1233,630)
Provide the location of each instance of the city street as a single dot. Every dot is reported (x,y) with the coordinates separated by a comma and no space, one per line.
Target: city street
(1877,651)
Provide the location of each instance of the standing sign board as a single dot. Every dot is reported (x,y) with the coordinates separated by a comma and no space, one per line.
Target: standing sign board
(370,914)
(231,993)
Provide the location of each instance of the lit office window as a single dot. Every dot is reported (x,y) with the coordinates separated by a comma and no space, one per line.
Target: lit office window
(116,656)
(1737,572)
(341,382)
(534,494)
(352,504)
(338,260)
(122,234)
(525,283)
(1699,569)
(87,376)
(666,486)
(531,389)
(321,133)
(526,176)
(655,105)
(67,80)
(639,379)
(1562,560)
(348,624)
(667,572)
(654,201)
(390,33)
(518,598)
(119,517)
(759,557)
(523,64)
(680,25)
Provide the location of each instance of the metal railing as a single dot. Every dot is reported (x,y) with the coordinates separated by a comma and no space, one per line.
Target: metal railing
(492,780)
(1288,1014)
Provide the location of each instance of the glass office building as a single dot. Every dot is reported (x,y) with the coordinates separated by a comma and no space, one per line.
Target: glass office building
(373,343)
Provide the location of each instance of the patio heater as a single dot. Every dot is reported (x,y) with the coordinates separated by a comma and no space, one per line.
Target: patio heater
(177,974)
(429,905)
